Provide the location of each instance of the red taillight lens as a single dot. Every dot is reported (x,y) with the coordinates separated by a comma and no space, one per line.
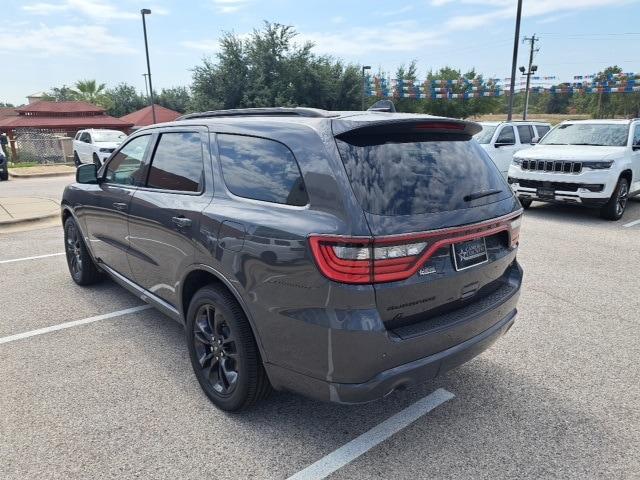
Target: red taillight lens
(360,260)
(357,260)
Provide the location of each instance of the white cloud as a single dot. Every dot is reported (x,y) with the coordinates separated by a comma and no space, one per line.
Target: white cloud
(63,40)
(361,41)
(397,11)
(97,10)
(229,6)
(205,45)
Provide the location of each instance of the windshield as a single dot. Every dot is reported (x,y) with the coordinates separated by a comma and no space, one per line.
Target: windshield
(600,134)
(484,136)
(407,174)
(108,136)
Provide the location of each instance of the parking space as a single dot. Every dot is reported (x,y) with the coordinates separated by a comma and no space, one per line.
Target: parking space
(556,397)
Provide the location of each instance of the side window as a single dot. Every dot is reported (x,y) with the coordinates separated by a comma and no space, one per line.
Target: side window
(542,130)
(526,133)
(177,163)
(636,135)
(261,169)
(507,136)
(87,137)
(126,167)
(84,137)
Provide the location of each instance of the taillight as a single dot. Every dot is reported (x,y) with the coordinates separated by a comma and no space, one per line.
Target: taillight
(362,260)
(514,231)
(357,260)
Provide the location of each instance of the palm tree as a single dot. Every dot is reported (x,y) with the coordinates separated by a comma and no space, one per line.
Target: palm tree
(90,91)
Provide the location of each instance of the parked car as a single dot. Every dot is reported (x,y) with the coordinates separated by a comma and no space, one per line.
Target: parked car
(502,139)
(4,166)
(95,146)
(595,163)
(338,255)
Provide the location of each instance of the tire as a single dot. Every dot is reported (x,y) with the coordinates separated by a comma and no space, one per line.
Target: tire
(223,350)
(76,159)
(617,204)
(4,176)
(525,202)
(82,268)
(96,160)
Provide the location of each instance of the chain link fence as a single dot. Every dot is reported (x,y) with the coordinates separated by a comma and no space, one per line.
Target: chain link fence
(41,146)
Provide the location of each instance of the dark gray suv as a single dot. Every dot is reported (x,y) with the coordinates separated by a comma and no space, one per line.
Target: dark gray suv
(341,255)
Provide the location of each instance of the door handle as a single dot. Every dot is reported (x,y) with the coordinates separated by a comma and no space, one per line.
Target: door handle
(181,222)
(119,206)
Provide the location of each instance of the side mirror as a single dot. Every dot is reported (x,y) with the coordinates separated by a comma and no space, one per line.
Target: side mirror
(636,147)
(535,140)
(87,174)
(498,145)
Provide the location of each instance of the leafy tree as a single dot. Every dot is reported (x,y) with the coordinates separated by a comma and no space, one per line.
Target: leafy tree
(124,99)
(270,69)
(6,105)
(90,91)
(61,94)
(175,98)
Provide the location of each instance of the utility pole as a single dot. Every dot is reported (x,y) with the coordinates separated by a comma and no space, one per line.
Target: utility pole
(516,41)
(143,12)
(146,87)
(532,68)
(364,82)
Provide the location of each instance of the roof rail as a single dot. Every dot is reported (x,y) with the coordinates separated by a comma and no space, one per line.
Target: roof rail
(266,111)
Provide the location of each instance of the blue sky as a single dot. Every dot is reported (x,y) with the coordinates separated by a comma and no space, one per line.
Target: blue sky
(46,43)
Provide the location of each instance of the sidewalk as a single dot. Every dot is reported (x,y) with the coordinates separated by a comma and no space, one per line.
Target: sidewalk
(42,171)
(15,210)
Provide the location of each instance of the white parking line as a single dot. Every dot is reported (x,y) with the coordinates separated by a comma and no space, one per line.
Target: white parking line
(31,258)
(631,224)
(356,447)
(74,323)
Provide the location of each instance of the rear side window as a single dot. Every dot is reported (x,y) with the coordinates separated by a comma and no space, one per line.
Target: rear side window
(425,173)
(261,169)
(177,163)
(526,133)
(542,130)
(507,135)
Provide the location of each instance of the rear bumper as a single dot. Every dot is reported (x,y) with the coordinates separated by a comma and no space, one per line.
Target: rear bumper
(476,333)
(403,376)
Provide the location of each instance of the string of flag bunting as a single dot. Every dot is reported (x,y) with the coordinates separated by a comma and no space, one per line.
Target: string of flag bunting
(463,88)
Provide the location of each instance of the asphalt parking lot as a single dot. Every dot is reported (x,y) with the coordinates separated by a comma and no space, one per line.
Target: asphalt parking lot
(557,397)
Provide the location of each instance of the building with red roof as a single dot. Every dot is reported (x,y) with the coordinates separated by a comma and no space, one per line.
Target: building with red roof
(144,116)
(58,118)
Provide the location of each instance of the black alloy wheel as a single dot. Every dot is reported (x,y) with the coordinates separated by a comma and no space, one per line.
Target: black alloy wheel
(215,346)
(224,354)
(81,266)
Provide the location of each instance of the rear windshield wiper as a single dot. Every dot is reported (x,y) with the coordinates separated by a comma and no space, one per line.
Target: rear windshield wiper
(480,194)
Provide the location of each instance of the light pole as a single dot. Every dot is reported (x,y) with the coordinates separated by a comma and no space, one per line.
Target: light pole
(143,12)
(364,82)
(516,40)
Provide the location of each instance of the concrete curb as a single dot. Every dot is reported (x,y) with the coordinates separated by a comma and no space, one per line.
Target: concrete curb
(38,175)
(36,218)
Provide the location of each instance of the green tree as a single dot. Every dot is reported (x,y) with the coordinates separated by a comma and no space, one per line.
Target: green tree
(124,99)
(89,90)
(61,94)
(270,69)
(175,98)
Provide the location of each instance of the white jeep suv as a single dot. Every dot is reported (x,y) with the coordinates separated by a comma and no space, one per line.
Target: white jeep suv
(95,145)
(588,162)
(502,139)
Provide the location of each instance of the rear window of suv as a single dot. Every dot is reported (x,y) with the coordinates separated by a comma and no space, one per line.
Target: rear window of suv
(406,174)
